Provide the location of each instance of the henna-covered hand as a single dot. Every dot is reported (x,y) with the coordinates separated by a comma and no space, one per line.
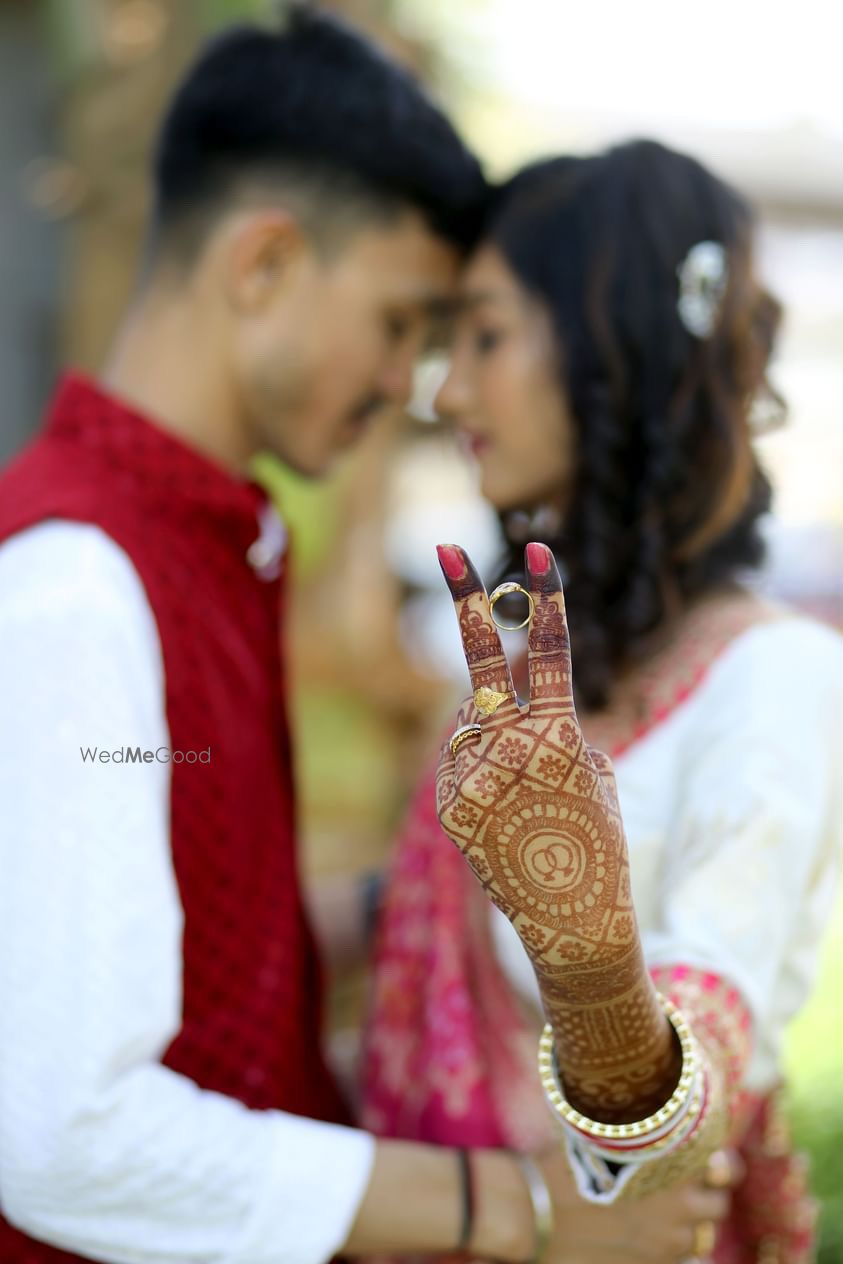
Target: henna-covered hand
(531,806)
(535,812)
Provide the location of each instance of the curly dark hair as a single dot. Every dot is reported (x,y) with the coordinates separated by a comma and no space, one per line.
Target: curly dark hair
(667,493)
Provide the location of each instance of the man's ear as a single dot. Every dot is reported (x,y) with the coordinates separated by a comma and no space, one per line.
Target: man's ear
(259,250)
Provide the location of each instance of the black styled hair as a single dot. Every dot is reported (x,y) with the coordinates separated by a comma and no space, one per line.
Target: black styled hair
(667,494)
(313,108)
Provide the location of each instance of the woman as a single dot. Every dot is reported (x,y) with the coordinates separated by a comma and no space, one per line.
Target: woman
(608,370)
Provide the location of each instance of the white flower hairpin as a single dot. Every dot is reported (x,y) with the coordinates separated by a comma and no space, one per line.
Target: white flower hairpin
(703,275)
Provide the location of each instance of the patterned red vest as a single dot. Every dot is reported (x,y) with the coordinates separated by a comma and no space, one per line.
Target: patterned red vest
(251,986)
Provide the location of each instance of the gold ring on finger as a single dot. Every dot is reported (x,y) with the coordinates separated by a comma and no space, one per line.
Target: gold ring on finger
(504,590)
(705,1235)
(718,1171)
(487,700)
(462,734)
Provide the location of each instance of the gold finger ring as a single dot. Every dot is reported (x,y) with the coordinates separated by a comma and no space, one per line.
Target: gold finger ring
(462,734)
(718,1171)
(705,1235)
(487,701)
(504,590)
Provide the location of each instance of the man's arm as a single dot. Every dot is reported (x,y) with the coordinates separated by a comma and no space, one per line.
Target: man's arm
(103,1150)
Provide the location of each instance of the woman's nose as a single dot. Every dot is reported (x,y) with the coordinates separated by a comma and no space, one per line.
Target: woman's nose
(452,399)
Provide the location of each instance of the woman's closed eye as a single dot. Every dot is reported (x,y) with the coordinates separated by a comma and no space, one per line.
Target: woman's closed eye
(486,340)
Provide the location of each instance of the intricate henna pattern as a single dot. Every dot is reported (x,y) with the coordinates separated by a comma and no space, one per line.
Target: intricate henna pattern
(534,810)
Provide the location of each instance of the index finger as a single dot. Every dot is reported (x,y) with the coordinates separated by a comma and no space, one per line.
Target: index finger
(548,645)
(487,664)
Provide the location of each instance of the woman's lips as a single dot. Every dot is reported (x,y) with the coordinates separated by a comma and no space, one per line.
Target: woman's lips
(475,444)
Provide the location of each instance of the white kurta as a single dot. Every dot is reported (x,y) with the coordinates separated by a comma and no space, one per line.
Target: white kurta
(103,1150)
(733,809)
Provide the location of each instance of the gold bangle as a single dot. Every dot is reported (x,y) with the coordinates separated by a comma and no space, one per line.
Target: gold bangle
(639,1129)
(670,1140)
(541,1203)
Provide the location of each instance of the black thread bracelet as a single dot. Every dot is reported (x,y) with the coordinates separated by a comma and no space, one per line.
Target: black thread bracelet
(467,1189)
(371,896)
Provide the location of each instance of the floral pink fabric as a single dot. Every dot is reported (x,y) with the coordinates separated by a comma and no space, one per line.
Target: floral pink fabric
(448,1055)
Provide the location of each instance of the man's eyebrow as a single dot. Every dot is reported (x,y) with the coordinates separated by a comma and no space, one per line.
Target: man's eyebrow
(447,306)
(428,302)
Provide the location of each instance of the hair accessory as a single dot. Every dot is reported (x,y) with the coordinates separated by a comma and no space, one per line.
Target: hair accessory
(703,275)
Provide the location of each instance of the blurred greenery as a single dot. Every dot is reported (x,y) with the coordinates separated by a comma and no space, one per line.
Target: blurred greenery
(814,1062)
(310,508)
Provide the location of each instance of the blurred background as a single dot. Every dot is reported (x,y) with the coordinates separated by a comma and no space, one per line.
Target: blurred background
(752,90)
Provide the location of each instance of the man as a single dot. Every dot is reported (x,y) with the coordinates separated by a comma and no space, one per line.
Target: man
(159,994)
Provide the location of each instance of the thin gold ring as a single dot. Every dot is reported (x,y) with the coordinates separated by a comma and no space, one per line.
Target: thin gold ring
(503,590)
(462,734)
(705,1236)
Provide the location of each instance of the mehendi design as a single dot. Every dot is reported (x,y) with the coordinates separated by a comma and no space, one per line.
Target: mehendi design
(534,811)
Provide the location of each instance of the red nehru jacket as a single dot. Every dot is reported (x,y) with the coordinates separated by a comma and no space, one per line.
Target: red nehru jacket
(251,986)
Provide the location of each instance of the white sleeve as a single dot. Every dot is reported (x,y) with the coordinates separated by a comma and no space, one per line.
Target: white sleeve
(755,835)
(104,1151)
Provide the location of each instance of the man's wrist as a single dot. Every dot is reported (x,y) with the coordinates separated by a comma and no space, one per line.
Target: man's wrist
(504,1226)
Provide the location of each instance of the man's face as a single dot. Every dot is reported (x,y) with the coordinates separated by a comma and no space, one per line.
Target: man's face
(335,342)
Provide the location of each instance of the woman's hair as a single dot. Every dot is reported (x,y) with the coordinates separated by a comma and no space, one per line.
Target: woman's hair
(666,493)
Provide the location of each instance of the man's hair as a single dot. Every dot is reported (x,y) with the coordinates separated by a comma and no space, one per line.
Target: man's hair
(316,111)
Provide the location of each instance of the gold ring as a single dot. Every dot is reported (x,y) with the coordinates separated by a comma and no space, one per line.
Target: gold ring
(462,734)
(718,1171)
(503,590)
(705,1236)
(487,701)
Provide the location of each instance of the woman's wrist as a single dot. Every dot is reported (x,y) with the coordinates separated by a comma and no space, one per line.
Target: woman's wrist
(624,1042)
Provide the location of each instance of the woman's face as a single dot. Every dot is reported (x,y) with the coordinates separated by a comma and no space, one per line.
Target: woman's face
(503,391)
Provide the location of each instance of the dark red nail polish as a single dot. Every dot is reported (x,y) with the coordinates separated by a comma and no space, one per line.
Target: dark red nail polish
(538,559)
(450,559)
